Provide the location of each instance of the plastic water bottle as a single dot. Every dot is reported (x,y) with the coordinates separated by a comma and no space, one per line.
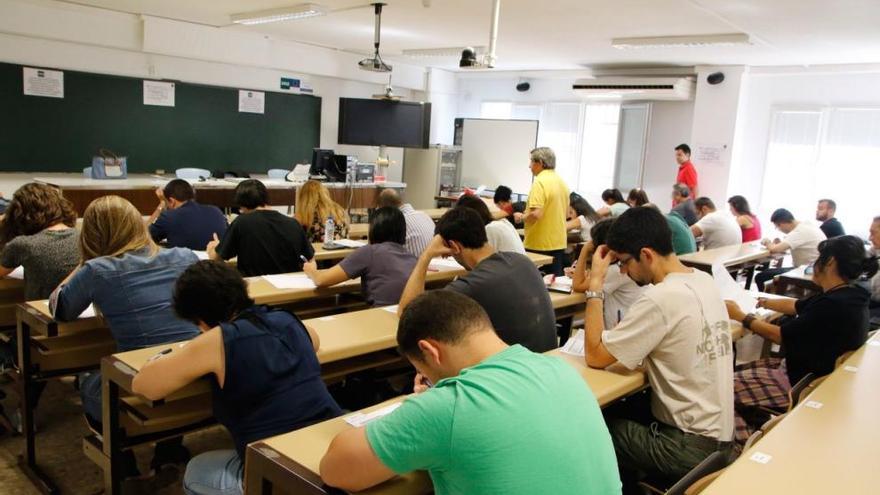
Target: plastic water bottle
(329,229)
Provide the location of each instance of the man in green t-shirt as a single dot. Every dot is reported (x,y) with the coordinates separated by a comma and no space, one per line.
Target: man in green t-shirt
(491,421)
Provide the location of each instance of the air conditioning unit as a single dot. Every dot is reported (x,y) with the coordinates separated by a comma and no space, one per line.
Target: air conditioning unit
(636,88)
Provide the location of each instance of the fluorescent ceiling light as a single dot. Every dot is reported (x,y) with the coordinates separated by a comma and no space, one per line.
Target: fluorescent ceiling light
(441,52)
(300,11)
(682,41)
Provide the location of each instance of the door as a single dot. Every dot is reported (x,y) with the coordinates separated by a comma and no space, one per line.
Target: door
(631,140)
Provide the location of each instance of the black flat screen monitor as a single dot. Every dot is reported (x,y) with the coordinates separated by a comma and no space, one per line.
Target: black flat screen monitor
(321,161)
(401,124)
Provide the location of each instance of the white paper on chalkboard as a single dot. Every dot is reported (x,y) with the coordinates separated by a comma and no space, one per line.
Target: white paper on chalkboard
(251,101)
(159,93)
(42,82)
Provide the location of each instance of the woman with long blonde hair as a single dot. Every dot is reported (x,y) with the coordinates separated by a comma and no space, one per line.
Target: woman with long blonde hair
(130,280)
(314,206)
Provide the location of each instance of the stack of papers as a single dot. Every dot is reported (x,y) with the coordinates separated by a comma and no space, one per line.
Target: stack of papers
(360,419)
(575,345)
(349,243)
(291,281)
(448,263)
(559,284)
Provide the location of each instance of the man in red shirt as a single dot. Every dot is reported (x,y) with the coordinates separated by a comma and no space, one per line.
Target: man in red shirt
(687,174)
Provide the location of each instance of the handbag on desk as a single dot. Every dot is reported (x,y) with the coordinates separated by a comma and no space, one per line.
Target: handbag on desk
(107,165)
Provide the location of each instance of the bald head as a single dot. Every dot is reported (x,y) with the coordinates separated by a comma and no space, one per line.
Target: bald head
(389,197)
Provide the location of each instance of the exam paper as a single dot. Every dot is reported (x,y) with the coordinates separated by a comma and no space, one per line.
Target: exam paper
(290,281)
(575,345)
(730,290)
(89,312)
(360,419)
(391,309)
(202,255)
(349,243)
(445,263)
(17,273)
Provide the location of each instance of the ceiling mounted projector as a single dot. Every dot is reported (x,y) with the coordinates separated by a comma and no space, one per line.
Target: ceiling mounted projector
(375,63)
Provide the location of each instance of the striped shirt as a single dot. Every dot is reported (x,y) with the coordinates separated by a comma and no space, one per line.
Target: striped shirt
(419,229)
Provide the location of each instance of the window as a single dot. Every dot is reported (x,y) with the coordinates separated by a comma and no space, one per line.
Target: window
(824,153)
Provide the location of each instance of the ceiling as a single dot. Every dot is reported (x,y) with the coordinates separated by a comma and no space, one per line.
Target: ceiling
(565,34)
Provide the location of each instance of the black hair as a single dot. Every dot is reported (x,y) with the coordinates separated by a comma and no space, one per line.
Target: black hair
(703,201)
(463,225)
(582,207)
(640,227)
(612,194)
(387,224)
(179,189)
(251,194)
(442,315)
(849,252)
(684,149)
(740,204)
(599,232)
(476,204)
(638,196)
(830,202)
(782,216)
(210,291)
(502,193)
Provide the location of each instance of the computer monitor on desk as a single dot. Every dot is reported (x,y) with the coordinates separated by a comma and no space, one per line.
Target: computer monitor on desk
(328,166)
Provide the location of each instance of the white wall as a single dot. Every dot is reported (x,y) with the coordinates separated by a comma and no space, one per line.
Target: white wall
(670,126)
(474,91)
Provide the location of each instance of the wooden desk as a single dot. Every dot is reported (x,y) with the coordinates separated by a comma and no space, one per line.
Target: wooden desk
(795,282)
(139,190)
(728,256)
(11,294)
(833,449)
(435,213)
(289,463)
(358,231)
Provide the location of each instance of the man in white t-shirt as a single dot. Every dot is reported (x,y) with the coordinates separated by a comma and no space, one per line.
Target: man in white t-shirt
(679,332)
(718,228)
(801,238)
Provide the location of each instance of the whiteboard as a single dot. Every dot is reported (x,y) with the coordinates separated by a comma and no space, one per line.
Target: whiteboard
(496,152)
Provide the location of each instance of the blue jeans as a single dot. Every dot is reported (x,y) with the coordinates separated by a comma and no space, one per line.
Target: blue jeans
(218,472)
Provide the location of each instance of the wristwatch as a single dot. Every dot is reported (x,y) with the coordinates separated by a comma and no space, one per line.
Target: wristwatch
(592,294)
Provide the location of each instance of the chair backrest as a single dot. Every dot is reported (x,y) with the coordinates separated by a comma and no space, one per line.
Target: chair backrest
(278,173)
(716,461)
(771,423)
(701,484)
(809,388)
(753,439)
(192,173)
(794,395)
(87,172)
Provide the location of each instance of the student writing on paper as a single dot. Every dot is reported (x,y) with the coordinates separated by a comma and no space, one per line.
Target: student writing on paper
(37,234)
(620,290)
(683,204)
(261,362)
(506,285)
(181,221)
(717,228)
(506,207)
(383,265)
(265,241)
(748,222)
(679,332)
(489,424)
(801,238)
(129,278)
(824,327)
(314,206)
(581,216)
(419,226)
(500,233)
(614,204)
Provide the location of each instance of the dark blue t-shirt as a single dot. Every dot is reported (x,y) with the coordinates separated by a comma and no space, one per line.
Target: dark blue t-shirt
(192,225)
(273,380)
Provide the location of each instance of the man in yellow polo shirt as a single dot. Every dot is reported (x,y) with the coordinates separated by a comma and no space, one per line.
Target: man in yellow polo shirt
(544,217)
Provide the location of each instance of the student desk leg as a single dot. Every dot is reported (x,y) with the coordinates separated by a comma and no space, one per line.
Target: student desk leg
(28,461)
(268,473)
(110,437)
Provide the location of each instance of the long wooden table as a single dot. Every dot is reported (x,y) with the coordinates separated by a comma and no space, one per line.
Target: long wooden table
(139,190)
(289,463)
(728,256)
(828,444)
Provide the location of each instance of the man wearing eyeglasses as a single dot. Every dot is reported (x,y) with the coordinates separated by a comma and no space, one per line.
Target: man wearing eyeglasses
(679,332)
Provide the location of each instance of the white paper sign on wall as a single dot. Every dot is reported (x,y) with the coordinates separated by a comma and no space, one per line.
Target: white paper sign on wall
(43,82)
(159,93)
(251,101)
(709,154)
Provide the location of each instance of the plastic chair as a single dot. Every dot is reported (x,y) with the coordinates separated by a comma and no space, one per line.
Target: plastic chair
(712,464)
(192,173)
(278,173)
(87,172)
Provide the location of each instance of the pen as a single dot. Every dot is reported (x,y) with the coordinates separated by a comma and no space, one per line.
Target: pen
(160,354)
(303,258)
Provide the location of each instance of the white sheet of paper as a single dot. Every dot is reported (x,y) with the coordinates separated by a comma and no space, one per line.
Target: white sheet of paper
(42,82)
(202,255)
(290,281)
(561,284)
(391,309)
(251,101)
(730,290)
(159,93)
(17,273)
(350,243)
(89,312)
(445,263)
(575,344)
(360,419)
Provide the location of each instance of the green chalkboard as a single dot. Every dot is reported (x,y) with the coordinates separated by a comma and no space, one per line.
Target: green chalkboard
(204,129)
